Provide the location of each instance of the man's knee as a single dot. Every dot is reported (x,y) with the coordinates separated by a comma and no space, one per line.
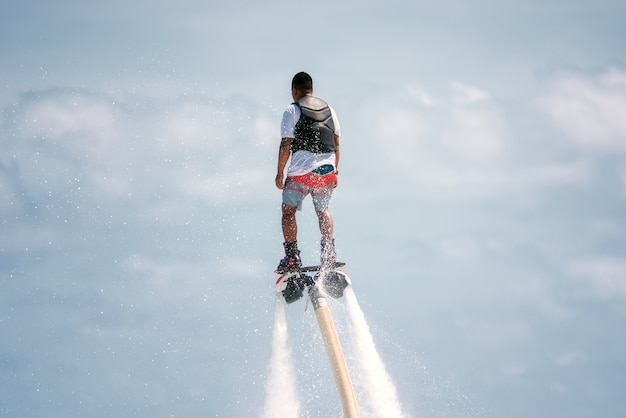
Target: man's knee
(323,214)
(289,210)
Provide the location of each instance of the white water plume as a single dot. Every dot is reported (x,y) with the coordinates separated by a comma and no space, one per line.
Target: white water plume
(381,396)
(281,397)
(376,391)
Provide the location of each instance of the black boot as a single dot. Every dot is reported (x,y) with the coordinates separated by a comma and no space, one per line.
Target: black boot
(292,259)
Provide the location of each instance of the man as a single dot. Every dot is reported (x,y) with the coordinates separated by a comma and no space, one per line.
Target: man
(310,136)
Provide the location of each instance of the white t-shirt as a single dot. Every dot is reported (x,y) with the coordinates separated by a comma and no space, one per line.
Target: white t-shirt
(303,161)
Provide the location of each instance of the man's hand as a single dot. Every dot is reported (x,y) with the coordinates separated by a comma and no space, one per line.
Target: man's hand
(284,151)
(279,181)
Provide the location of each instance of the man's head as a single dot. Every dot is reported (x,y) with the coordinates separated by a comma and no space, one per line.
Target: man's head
(301,85)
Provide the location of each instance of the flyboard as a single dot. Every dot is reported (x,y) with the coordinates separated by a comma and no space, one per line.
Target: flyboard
(324,282)
(292,283)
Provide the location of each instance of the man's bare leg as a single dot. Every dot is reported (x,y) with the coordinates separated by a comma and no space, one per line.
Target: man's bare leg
(327,254)
(326,223)
(290,232)
(290,227)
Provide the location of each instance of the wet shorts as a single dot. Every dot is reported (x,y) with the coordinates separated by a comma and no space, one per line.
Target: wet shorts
(319,186)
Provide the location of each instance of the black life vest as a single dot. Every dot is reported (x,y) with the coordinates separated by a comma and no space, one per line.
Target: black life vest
(315,130)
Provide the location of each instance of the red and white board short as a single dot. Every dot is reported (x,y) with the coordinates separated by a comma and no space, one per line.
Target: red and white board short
(319,186)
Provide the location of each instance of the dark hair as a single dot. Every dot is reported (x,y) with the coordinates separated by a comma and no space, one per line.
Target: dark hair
(303,82)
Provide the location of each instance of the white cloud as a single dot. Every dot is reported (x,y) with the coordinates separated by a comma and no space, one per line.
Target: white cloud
(462,142)
(465,126)
(464,93)
(143,148)
(87,126)
(400,134)
(192,125)
(570,358)
(536,290)
(481,180)
(493,333)
(556,174)
(266,131)
(458,249)
(607,275)
(513,370)
(423,97)
(477,133)
(591,110)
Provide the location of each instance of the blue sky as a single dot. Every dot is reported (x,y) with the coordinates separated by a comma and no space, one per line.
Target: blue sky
(480,209)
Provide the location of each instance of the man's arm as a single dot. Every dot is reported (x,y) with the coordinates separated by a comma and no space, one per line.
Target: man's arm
(284,151)
(337,155)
